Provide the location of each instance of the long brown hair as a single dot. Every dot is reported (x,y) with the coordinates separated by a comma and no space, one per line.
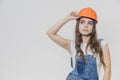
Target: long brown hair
(92,42)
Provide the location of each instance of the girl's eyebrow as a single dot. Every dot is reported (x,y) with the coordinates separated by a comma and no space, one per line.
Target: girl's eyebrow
(82,20)
(90,21)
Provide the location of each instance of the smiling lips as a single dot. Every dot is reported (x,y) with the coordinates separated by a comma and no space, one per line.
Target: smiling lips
(85,30)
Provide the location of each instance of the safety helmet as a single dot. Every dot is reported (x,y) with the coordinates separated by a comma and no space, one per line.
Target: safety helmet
(89,13)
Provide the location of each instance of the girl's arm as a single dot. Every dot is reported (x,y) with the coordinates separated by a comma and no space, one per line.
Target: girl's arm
(107,61)
(52,31)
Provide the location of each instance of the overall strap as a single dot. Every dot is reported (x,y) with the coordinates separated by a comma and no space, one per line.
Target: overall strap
(71,62)
(99,41)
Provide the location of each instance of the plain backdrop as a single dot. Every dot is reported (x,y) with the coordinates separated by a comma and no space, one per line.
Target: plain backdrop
(27,53)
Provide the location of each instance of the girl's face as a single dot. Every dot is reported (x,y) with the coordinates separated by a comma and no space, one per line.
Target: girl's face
(85,26)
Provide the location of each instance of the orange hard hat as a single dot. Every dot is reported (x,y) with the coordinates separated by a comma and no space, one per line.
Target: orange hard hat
(88,12)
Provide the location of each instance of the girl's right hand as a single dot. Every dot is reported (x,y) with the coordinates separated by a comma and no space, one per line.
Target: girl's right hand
(73,15)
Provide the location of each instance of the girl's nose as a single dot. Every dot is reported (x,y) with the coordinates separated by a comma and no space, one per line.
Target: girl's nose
(86,26)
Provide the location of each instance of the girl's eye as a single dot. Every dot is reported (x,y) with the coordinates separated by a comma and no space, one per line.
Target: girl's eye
(90,23)
(81,22)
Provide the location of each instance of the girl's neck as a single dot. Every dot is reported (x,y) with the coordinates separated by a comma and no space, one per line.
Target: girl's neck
(85,39)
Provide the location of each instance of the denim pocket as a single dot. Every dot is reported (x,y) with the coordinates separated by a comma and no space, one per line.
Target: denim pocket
(73,77)
(91,68)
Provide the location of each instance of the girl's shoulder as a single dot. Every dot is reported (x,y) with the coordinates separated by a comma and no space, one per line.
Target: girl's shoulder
(102,42)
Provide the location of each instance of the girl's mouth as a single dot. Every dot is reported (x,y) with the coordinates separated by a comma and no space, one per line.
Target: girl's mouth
(85,30)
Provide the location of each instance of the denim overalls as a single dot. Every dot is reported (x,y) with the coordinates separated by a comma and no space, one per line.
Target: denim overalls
(83,71)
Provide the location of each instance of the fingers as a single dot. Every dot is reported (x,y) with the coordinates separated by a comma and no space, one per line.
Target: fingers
(74,13)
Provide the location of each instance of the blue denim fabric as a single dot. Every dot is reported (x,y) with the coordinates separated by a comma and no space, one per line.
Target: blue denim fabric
(83,71)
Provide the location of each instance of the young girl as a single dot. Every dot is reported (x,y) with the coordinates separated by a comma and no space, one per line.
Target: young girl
(87,51)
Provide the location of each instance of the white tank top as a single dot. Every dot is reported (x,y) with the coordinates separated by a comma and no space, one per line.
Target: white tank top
(83,46)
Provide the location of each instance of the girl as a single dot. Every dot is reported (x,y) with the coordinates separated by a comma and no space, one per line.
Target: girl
(87,51)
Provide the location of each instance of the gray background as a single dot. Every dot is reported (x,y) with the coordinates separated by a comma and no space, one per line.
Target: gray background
(26,52)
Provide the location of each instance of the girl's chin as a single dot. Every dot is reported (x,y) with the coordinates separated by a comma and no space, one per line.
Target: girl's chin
(85,34)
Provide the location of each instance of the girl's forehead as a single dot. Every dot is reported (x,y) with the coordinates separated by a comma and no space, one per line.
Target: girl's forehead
(86,19)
